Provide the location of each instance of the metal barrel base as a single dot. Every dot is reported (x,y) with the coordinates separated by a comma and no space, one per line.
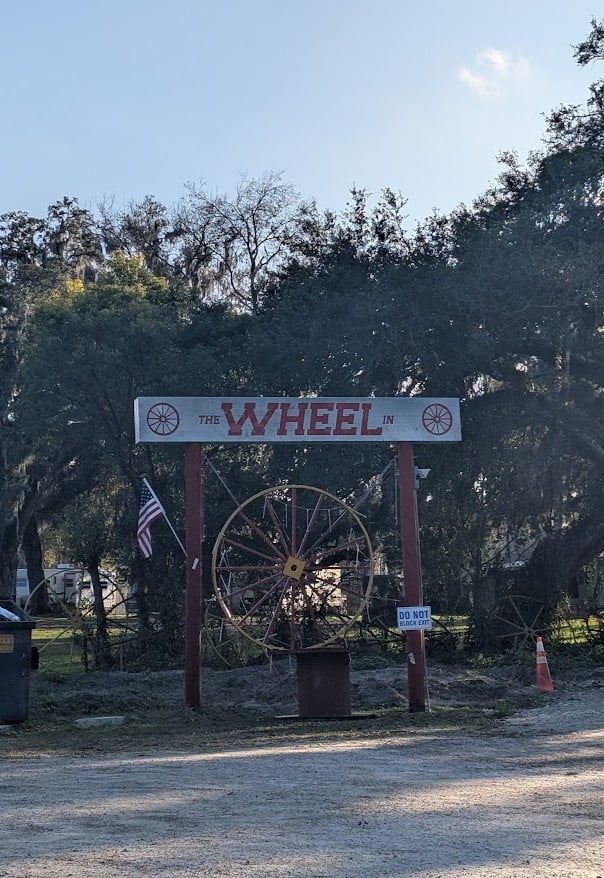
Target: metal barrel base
(323,678)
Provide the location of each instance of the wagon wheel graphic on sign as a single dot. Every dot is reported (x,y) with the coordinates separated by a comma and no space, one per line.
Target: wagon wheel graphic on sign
(163,419)
(437,419)
(292,568)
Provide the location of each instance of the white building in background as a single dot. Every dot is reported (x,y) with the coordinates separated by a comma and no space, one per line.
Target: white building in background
(22,587)
(70,586)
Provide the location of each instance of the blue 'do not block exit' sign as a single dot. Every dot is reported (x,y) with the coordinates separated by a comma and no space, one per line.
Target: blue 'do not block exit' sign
(414,618)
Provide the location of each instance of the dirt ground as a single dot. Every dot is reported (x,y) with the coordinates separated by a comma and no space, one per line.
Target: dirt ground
(521,798)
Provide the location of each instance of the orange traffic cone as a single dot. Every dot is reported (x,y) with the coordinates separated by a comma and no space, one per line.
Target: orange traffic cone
(544,681)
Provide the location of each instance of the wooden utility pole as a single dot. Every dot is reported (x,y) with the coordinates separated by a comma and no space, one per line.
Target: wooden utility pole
(412,573)
(194,458)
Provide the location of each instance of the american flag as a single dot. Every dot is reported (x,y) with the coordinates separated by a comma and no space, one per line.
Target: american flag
(150,509)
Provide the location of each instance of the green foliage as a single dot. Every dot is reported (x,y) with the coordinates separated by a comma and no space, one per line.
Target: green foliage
(499,304)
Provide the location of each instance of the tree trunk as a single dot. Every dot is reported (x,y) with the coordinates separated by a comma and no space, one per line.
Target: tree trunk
(557,561)
(8,561)
(100,642)
(32,550)
(483,625)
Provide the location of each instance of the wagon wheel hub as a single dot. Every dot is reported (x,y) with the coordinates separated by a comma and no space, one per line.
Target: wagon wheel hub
(294,567)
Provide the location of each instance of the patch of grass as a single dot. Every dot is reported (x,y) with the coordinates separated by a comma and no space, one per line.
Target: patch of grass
(152,704)
(156,718)
(577,631)
(567,656)
(60,643)
(51,729)
(366,662)
(58,649)
(486,660)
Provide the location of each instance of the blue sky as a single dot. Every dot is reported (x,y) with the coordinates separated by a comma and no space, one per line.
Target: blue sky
(124,98)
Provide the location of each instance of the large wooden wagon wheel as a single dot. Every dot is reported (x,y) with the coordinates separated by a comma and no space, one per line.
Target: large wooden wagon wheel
(292,568)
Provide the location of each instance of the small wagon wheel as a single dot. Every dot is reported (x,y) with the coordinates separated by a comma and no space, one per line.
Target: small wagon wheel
(163,419)
(522,631)
(437,419)
(221,641)
(292,568)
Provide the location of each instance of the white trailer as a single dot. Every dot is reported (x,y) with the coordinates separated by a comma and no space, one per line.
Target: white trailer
(70,586)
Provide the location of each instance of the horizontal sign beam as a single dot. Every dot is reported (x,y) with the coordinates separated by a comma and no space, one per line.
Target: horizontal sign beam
(300,419)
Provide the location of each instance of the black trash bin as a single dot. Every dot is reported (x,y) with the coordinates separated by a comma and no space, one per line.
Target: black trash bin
(15,663)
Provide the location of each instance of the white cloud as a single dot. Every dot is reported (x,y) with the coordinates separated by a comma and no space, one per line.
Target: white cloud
(493,72)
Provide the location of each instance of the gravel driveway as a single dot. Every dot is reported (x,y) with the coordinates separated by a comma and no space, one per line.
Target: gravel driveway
(525,802)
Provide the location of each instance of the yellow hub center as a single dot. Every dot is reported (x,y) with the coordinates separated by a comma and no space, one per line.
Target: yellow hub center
(294,567)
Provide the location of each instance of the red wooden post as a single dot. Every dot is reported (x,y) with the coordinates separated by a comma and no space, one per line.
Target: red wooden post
(416,665)
(193,529)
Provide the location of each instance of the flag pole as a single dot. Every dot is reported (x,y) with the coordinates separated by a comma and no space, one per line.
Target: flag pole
(169,523)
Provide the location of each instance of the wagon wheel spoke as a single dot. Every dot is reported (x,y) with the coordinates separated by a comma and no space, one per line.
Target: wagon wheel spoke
(278,528)
(261,600)
(311,524)
(260,533)
(230,593)
(249,549)
(274,616)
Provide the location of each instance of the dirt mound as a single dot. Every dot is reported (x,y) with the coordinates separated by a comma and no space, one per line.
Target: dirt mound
(272,689)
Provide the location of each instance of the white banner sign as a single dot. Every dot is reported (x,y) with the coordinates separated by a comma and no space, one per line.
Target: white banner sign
(299,419)
(414,618)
